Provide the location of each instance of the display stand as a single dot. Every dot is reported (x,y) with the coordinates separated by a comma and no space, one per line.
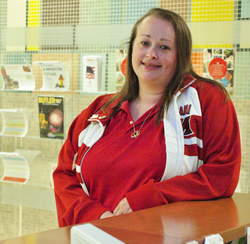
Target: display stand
(14,122)
(16,168)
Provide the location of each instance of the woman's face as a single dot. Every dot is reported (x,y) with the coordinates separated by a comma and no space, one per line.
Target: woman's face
(154,53)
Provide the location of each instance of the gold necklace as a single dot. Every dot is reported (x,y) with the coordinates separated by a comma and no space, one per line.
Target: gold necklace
(136,133)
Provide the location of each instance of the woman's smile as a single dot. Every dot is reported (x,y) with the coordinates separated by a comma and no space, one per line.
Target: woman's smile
(151,65)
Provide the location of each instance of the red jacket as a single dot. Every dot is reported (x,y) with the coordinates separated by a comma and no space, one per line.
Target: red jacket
(202,147)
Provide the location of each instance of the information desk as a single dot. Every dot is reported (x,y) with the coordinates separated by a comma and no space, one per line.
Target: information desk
(174,223)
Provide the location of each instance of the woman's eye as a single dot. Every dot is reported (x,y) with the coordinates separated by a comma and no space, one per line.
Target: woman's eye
(163,47)
(144,43)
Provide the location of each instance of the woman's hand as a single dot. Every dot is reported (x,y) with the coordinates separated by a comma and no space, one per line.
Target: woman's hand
(107,214)
(123,207)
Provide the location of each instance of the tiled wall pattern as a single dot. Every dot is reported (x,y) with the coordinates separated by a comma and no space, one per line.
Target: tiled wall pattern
(30,208)
(212,10)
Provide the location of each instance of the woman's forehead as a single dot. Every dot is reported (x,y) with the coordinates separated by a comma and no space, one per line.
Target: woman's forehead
(155,26)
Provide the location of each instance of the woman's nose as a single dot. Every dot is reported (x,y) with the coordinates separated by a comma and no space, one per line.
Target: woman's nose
(152,53)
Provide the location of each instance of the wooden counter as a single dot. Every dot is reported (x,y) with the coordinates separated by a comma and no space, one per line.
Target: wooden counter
(174,223)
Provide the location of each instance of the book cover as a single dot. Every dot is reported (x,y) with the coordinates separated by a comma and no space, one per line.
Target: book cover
(92,73)
(51,117)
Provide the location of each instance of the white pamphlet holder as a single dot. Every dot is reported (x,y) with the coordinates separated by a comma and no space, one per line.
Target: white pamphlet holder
(15,168)
(88,233)
(14,122)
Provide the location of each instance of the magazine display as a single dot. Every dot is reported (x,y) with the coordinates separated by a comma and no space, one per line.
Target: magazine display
(51,117)
(17,77)
(219,66)
(92,73)
(55,76)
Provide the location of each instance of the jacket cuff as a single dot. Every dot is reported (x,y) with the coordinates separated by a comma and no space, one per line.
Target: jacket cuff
(93,212)
(146,196)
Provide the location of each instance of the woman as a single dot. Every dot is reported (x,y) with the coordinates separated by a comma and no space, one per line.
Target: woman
(167,136)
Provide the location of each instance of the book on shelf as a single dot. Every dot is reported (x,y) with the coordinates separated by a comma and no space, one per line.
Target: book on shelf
(92,73)
(51,117)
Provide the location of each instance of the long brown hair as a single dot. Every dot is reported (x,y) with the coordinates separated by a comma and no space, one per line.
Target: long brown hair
(184,65)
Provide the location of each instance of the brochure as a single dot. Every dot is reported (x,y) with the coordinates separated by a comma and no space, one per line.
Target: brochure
(121,63)
(219,66)
(55,76)
(92,73)
(17,77)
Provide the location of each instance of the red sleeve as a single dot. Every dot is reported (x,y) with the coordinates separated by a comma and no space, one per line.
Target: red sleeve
(219,174)
(73,204)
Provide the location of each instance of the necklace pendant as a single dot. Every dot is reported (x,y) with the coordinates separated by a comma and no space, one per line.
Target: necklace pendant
(135,134)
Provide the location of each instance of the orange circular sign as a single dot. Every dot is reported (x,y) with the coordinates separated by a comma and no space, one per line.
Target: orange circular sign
(124,66)
(217,68)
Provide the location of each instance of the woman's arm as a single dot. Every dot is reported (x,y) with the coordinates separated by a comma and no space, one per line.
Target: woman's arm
(218,175)
(73,204)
